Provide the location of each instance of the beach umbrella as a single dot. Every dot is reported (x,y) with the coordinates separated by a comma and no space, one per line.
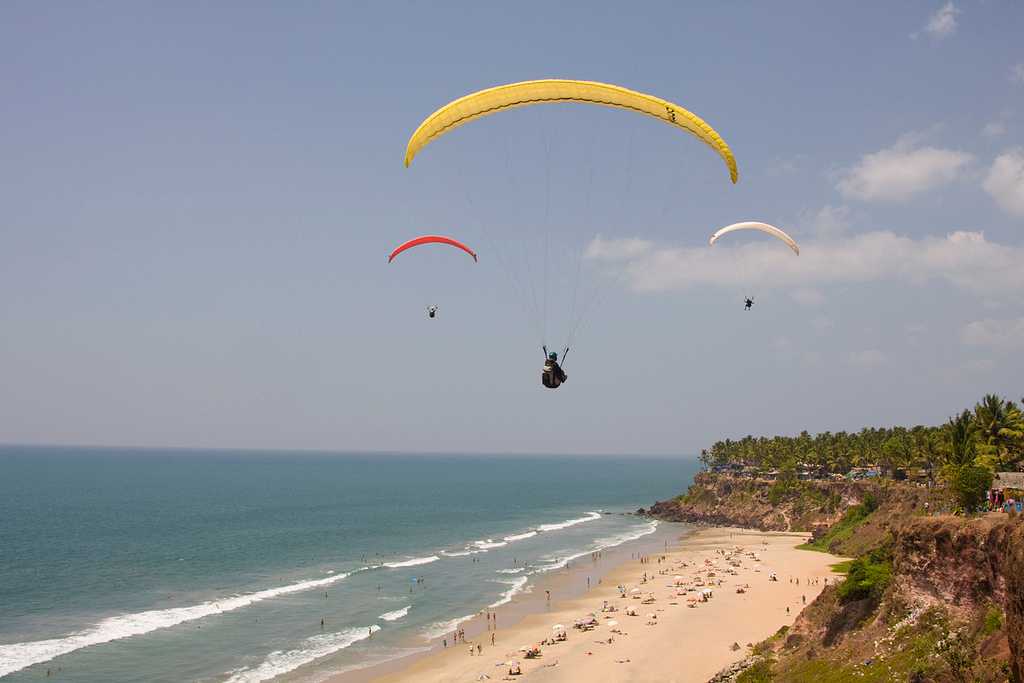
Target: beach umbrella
(613,623)
(635,590)
(557,627)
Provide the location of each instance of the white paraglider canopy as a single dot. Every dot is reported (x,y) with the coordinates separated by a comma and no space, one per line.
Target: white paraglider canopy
(763,227)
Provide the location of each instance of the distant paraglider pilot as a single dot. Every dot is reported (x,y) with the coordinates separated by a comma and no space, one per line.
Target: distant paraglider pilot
(432,311)
(746,306)
(552,375)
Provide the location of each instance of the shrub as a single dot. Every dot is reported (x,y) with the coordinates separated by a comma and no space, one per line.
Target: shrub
(970,484)
(868,576)
(761,672)
(993,620)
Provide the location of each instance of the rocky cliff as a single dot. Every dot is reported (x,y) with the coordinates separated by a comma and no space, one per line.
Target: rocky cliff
(952,610)
(796,506)
(944,596)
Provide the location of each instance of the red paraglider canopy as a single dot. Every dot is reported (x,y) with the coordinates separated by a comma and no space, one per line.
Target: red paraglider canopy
(430,239)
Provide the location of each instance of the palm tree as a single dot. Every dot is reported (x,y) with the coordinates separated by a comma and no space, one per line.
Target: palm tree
(962,450)
(998,425)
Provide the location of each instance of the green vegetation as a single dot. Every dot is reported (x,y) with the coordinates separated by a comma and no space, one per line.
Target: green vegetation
(868,576)
(959,651)
(970,485)
(986,439)
(845,527)
(908,658)
(996,429)
(841,567)
(761,672)
(993,620)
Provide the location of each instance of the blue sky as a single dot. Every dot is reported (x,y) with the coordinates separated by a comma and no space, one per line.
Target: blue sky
(198,202)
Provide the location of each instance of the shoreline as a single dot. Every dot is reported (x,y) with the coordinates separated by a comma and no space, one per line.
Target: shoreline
(566,583)
(646,648)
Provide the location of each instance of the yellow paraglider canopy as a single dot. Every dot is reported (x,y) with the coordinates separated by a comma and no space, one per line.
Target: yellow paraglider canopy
(491,100)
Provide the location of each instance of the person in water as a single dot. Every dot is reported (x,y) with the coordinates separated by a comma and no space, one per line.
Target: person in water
(746,306)
(432,311)
(552,375)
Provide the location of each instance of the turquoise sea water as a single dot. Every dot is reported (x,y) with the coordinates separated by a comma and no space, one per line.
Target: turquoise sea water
(127,565)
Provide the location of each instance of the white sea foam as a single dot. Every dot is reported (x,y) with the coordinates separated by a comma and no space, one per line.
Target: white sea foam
(591,516)
(17,656)
(282,661)
(514,570)
(489,543)
(517,585)
(599,544)
(460,554)
(519,537)
(630,535)
(443,628)
(412,563)
(397,614)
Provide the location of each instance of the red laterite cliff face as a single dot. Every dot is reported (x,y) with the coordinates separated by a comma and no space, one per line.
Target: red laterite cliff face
(811,506)
(1013,572)
(954,588)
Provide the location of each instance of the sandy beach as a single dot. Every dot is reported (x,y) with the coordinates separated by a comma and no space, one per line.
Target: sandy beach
(677,636)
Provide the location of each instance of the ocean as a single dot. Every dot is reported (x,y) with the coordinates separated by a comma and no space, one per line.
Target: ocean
(139,564)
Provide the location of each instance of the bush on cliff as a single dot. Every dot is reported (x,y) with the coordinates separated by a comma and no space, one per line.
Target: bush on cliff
(970,484)
(845,527)
(868,577)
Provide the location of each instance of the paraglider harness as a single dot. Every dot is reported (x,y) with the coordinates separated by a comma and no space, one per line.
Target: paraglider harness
(552,375)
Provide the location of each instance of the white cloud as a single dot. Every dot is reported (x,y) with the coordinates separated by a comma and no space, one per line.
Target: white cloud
(994,129)
(994,334)
(1005,181)
(828,221)
(1017,73)
(901,171)
(867,358)
(942,23)
(964,259)
(601,249)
